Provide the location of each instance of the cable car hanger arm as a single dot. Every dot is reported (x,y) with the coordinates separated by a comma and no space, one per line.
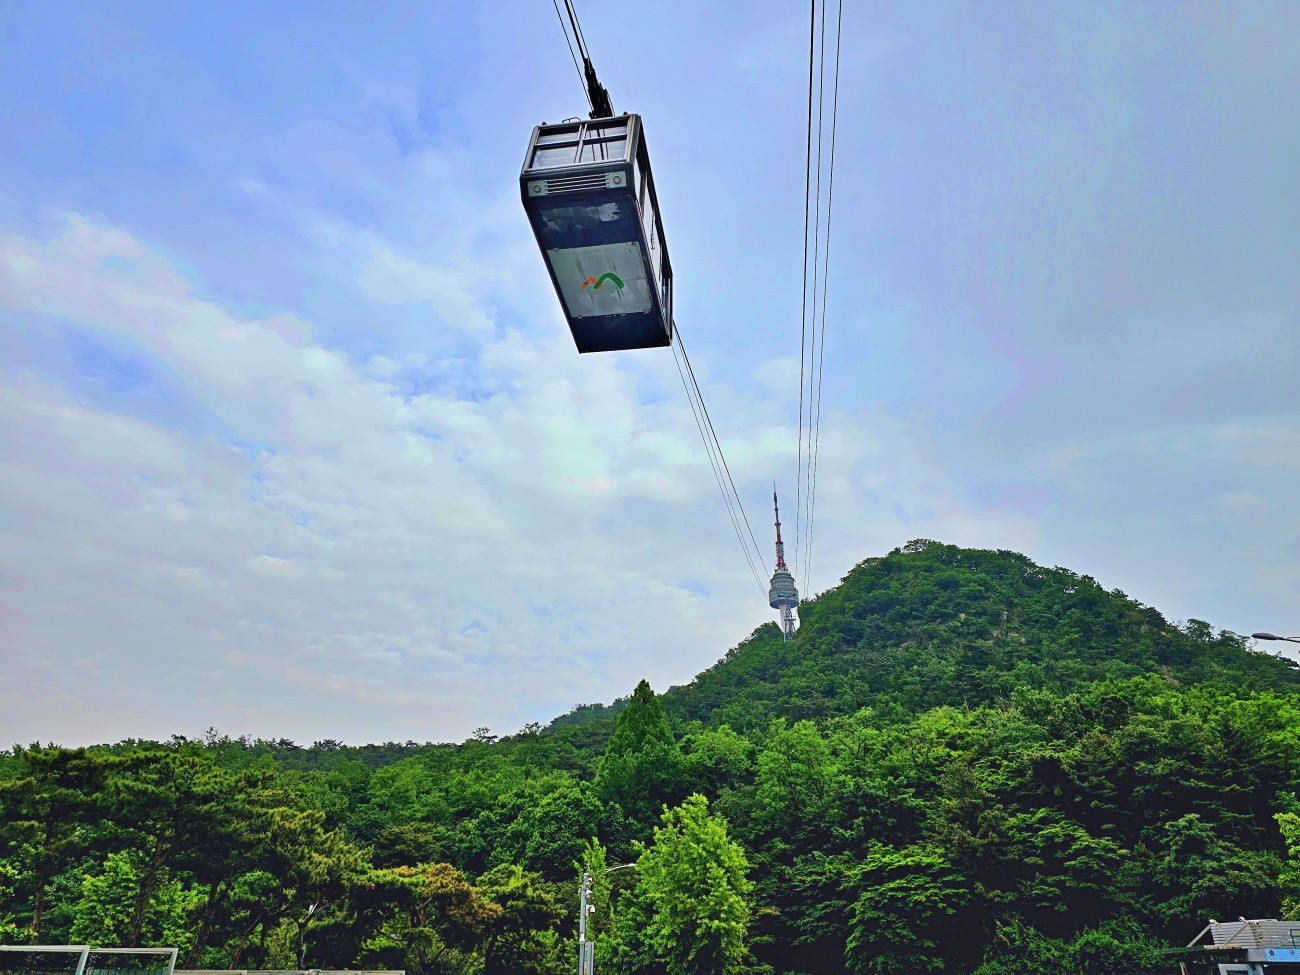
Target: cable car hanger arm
(601,106)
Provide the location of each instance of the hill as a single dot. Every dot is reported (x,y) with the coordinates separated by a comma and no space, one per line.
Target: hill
(930,625)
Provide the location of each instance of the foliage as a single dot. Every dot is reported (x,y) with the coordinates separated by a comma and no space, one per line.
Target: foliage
(1289,881)
(523,939)
(693,880)
(105,914)
(642,766)
(933,625)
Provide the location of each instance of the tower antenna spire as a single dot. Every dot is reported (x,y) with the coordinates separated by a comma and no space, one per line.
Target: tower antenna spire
(782,595)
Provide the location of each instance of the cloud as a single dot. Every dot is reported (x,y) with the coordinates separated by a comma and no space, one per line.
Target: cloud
(779,376)
(389,277)
(1243,499)
(1263,445)
(458,561)
(292,416)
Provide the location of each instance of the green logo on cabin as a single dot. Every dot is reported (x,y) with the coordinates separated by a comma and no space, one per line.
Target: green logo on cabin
(595,283)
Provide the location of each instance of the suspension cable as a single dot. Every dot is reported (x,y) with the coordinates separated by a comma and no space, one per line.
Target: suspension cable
(569,44)
(577,29)
(821,353)
(718,443)
(816,267)
(710,447)
(803,309)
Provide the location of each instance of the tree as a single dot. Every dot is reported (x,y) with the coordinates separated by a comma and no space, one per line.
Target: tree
(552,831)
(642,766)
(171,803)
(796,779)
(1289,879)
(225,855)
(10,877)
(313,870)
(523,938)
(694,881)
(54,791)
(902,897)
(719,758)
(107,913)
(425,919)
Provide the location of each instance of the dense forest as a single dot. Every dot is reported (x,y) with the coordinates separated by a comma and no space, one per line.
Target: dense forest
(964,762)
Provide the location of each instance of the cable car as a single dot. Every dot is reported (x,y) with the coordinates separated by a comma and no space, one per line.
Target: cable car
(590,197)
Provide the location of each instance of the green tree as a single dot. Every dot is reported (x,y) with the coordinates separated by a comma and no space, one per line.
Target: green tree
(904,896)
(1289,878)
(524,938)
(10,878)
(426,919)
(796,783)
(693,879)
(170,805)
(642,766)
(228,857)
(106,914)
(49,798)
(313,870)
(717,759)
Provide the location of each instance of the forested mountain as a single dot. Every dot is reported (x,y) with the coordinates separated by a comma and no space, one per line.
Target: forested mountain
(935,625)
(964,762)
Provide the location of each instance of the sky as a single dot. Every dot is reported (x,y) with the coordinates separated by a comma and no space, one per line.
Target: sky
(294,441)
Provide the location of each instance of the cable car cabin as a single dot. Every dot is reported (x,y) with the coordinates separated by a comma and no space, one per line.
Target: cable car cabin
(591,200)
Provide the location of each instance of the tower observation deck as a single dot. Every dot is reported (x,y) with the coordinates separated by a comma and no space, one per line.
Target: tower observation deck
(782,595)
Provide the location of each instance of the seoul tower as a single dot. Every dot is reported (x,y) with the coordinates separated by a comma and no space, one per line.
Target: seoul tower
(783,595)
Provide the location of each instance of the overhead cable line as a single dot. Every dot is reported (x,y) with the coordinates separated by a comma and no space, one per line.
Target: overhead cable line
(597,96)
(821,351)
(815,286)
(718,443)
(713,448)
(816,267)
(577,29)
(568,43)
(803,307)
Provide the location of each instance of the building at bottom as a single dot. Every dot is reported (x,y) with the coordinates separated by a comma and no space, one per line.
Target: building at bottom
(1242,947)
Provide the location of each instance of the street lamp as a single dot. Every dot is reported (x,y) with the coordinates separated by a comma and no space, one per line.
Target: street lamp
(587,949)
(1274,636)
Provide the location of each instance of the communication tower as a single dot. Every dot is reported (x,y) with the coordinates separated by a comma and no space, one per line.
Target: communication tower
(782,595)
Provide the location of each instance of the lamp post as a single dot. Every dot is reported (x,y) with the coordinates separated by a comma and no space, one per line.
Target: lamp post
(587,949)
(1274,636)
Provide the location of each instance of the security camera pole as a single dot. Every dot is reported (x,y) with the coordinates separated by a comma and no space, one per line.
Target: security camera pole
(587,949)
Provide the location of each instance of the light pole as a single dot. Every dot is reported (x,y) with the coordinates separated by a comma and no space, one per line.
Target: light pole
(587,949)
(1274,636)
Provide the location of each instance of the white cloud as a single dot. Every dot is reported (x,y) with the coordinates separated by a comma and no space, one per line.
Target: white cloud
(1263,445)
(455,561)
(780,376)
(1243,499)
(392,278)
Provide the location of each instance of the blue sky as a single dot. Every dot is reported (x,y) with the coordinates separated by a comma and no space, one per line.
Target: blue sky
(295,442)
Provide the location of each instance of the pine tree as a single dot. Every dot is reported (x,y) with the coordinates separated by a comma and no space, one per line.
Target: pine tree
(642,768)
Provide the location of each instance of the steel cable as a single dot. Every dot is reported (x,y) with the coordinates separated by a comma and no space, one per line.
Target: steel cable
(709,448)
(803,309)
(821,353)
(569,44)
